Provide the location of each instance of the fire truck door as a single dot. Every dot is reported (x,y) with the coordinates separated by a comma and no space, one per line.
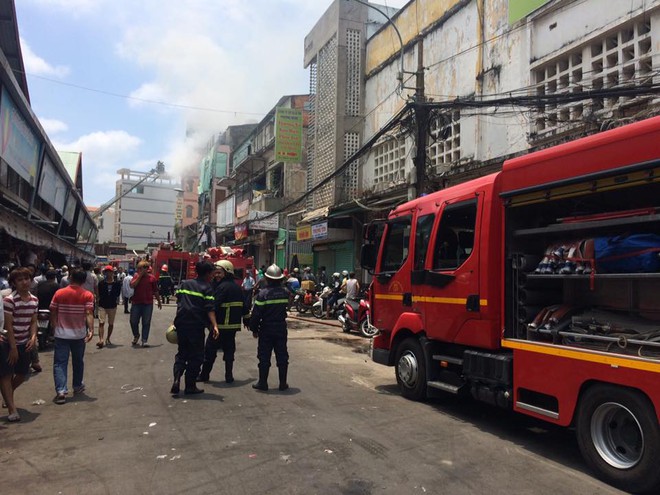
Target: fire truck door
(447,292)
(392,277)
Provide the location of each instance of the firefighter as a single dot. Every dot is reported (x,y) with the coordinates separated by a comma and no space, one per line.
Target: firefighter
(268,324)
(230,309)
(194,312)
(165,284)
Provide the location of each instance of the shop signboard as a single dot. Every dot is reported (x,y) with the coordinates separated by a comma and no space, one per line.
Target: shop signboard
(242,208)
(260,223)
(288,135)
(320,231)
(521,8)
(304,233)
(240,231)
(19,146)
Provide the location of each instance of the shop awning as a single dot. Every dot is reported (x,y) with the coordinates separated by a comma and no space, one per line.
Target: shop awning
(317,214)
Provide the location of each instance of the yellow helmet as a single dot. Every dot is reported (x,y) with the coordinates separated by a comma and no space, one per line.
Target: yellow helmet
(170,335)
(226,265)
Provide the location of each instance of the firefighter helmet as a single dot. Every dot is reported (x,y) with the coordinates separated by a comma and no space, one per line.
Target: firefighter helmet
(170,335)
(226,265)
(344,273)
(274,272)
(164,268)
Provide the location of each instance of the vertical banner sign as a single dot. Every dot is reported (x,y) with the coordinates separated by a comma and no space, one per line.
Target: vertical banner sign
(288,135)
(19,147)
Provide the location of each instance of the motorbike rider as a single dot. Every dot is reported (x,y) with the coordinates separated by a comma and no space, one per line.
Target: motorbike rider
(351,287)
(335,284)
(268,324)
(230,308)
(308,275)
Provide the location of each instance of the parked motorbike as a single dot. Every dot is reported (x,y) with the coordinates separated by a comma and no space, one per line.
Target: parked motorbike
(304,300)
(356,317)
(44,332)
(319,307)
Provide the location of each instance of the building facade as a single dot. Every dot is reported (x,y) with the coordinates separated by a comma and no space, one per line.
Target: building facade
(493,79)
(146,215)
(41,203)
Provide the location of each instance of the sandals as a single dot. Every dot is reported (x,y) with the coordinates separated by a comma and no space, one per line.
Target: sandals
(14,418)
(36,367)
(135,341)
(100,345)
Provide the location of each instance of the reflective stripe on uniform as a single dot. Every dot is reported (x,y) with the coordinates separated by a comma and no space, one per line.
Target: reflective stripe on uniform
(233,326)
(231,304)
(272,301)
(193,293)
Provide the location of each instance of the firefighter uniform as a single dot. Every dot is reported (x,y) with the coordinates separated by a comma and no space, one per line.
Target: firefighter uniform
(268,322)
(229,312)
(194,301)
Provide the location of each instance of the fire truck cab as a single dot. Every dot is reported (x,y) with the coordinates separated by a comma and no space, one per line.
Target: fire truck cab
(493,289)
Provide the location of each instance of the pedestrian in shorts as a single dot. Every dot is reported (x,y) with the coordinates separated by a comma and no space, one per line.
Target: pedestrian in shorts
(109,291)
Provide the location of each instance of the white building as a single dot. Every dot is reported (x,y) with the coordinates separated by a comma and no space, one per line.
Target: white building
(148,213)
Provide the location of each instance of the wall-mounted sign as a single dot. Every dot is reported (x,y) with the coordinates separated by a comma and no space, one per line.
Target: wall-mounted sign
(288,135)
(52,187)
(304,233)
(320,230)
(19,146)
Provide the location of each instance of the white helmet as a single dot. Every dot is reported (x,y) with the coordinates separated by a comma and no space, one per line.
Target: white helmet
(344,273)
(336,275)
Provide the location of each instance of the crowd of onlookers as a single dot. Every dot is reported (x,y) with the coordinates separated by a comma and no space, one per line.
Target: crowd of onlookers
(71,299)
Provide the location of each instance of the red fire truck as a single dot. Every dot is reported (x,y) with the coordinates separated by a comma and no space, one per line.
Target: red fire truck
(510,289)
(181,264)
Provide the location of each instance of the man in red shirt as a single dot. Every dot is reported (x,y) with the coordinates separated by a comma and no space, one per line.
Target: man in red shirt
(72,317)
(145,286)
(20,311)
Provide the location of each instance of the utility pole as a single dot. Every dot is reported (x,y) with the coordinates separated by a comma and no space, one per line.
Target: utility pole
(421,120)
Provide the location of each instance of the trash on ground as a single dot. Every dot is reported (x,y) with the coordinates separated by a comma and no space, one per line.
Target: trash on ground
(151,425)
(328,451)
(174,457)
(129,387)
(145,432)
(252,456)
(38,402)
(161,456)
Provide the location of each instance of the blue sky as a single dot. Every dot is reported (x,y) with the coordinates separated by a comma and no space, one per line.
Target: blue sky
(232,58)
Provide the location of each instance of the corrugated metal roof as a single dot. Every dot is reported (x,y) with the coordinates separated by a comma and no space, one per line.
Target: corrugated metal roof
(10,44)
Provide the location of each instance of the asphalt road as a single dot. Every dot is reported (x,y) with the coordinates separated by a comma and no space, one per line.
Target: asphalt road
(341,429)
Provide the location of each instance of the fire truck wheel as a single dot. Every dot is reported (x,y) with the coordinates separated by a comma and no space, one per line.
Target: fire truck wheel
(411,369)
(619,437)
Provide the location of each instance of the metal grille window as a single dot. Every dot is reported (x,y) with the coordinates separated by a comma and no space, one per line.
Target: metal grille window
(389,161)
(326,121)
(351,145)
(619,59)
(353,72)
(311,129)
(445,146)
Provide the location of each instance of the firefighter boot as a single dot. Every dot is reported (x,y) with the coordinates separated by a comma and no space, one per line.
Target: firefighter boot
(262,384)
(283,370)
(191,388)
(229,367)
(205,374)
(176,385)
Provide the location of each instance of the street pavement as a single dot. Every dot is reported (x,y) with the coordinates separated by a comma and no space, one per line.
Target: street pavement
(342,428)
